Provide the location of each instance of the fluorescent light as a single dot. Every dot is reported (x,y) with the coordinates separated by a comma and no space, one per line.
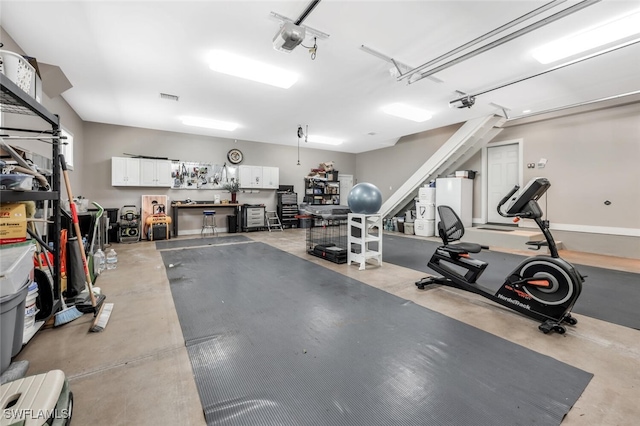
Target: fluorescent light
(407,112)
(324,140)
(590,38)
(238,66)
(526,111)
(209,123)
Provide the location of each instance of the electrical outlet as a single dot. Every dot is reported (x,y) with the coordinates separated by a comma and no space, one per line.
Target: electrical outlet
(531,165)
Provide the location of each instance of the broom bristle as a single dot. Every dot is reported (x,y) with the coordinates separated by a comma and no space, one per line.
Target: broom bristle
(67,315)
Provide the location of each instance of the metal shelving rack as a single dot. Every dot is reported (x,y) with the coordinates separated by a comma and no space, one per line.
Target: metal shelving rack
(321,191)
(288,209)
(14,100)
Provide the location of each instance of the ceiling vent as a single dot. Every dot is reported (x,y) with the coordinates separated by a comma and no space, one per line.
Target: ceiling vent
(169,97)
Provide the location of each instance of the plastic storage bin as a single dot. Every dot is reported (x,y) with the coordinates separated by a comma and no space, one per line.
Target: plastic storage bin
(408,228)
(12,324)
(21,72)
(424,227)
(16,266)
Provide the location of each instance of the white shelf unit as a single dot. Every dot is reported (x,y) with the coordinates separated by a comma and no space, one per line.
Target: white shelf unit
(364,229)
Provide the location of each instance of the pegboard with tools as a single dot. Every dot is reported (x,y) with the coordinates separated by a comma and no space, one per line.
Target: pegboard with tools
(196,175)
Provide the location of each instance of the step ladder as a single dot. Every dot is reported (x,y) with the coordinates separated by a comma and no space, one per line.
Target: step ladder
(273,221)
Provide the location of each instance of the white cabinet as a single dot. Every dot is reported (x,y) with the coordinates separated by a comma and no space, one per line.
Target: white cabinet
(456,193)
(250,176)
(270,177)
(155,172)
(125,171)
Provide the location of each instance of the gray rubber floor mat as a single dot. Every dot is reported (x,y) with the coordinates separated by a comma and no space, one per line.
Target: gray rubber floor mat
(277,340)
(607,294)
(195,242)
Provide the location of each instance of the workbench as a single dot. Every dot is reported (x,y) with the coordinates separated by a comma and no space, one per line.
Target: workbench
(218,207)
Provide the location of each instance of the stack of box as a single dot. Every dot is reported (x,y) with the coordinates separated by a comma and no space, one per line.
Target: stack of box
(13,223)
(424,224)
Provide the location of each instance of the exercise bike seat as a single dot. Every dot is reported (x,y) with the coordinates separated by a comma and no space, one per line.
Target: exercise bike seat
(462,248)
(450,228)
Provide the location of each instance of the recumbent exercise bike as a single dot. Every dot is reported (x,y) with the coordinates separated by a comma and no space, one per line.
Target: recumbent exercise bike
(542,287)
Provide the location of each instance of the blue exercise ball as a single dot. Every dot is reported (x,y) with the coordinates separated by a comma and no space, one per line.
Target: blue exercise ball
(365,198)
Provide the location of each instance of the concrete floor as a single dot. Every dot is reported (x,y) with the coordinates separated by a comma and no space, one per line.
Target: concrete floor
(137,371)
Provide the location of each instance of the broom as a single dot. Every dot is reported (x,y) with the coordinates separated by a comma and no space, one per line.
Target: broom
(99,317)
(66,314)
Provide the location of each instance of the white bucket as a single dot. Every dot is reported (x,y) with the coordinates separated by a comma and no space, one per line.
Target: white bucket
(425,210)
(30,309)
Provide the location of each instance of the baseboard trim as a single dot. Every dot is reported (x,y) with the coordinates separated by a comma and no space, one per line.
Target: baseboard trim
(589,229)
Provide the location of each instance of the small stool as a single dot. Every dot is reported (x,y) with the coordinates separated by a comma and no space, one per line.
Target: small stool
(209,222)
(25,401)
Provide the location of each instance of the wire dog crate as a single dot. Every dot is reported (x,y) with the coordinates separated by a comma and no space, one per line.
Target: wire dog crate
(327,238)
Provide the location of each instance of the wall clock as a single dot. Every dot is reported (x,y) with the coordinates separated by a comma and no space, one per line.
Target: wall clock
(234,156)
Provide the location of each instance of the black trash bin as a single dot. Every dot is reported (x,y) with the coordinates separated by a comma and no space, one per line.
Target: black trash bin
(232,224)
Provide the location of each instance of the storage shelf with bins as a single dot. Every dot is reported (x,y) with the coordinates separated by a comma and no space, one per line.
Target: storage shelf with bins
(13,100)
(364,230)
(321,191)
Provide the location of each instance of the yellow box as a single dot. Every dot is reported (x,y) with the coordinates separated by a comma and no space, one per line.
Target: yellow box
(13,223)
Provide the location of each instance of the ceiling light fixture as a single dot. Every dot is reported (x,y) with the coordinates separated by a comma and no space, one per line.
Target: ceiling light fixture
(209,123)
(239,66)
(323,140)
(407,112)
(591,38)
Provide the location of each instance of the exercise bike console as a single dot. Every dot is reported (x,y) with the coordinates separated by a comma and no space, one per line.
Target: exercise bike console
(541,287)
(521,204)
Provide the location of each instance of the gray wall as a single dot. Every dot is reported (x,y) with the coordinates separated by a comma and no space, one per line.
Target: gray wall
(388,168)
(103,141)
(57,105)
(592,157)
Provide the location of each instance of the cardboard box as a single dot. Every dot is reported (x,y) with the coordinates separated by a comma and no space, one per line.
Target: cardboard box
(13,223)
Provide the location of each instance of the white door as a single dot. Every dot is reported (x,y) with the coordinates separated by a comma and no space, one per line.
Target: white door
(346,183)
(503,173)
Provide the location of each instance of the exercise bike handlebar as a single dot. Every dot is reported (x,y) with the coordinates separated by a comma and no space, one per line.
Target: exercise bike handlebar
(504,200)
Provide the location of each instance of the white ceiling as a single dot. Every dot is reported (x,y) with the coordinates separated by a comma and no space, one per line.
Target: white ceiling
(119,56)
